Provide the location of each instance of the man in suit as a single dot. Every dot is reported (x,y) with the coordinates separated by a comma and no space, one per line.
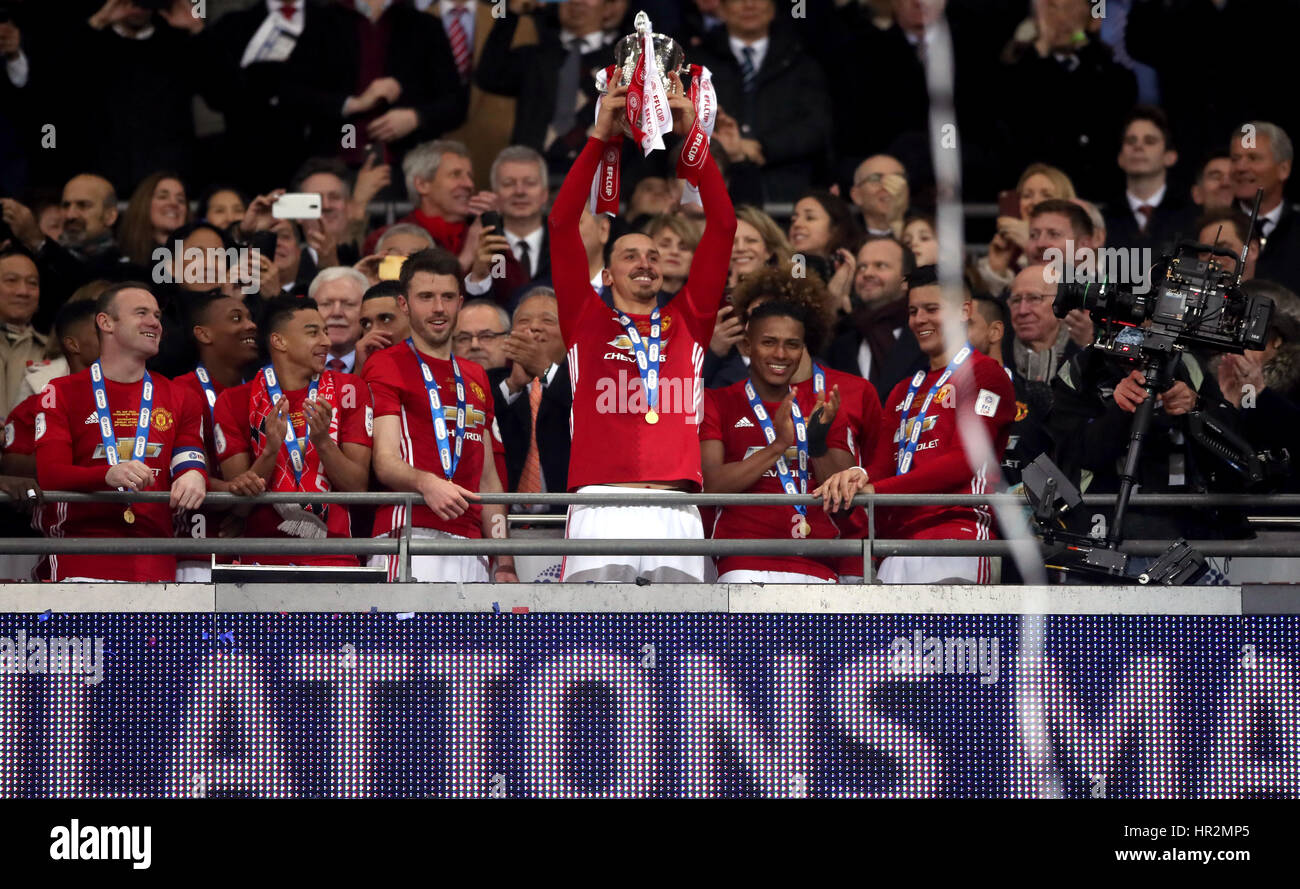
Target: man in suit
(533,398)
(391,74)
(874,340)
(244,57)
(1262,155)
(491,117)
(1149,215)
(553,80)
(776,96)
(519,180)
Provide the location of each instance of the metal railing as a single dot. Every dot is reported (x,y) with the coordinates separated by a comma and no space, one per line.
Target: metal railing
(404,545)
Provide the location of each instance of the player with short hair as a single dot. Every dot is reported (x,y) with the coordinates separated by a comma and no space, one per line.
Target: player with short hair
(435,429)
(116,426)
(933,448)
(635,362)
(296,427)
(763,436)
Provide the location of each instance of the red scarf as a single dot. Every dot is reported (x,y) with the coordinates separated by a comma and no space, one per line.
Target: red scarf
(450,235)
(260,408)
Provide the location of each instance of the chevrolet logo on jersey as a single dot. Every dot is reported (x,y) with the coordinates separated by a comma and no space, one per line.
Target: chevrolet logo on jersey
(126,449)
(925,427)
(473,416)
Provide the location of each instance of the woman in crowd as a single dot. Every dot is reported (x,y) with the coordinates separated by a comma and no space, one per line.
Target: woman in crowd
(821,226)
(157,208)
(759,244)
(224,207)
(1038,183)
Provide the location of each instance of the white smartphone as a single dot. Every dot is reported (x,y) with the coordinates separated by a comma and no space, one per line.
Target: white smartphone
(297,205)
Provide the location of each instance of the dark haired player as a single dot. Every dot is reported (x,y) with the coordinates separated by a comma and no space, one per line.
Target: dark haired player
(434,428)
(296,427)
(860,409)
(225,339)
(116,426)
(761,436)
(635,363)
(933,447)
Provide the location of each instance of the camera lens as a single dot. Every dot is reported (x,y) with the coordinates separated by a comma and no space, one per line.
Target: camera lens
(1070,295)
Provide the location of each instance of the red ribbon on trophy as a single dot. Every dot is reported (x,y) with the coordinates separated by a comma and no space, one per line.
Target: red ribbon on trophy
(695,150)
(605,188)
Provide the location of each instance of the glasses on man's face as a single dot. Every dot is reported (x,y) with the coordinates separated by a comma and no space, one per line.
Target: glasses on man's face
(486,338)
(1029,299)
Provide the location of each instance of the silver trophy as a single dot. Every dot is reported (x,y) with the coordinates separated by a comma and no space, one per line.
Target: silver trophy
(669,57)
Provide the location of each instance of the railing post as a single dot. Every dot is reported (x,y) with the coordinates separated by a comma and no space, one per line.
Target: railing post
(404,546)
(868,567)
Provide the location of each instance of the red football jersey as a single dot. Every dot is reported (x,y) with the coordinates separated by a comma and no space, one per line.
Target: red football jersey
(397,383)
(191,381)
(979,390)
(728,418)
(612,442)
(241,414)
(70,457)
(862,414)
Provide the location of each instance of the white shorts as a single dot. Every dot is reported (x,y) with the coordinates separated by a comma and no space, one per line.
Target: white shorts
(194,572)
(633,523)
(437,569)
(933,569)
(770,577)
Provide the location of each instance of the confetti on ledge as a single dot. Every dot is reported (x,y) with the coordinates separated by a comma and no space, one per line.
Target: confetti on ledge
(496,607)
(519,609)
(44,616)
(405,615)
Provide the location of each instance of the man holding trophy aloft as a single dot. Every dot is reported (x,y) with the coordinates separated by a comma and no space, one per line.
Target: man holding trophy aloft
(635,357)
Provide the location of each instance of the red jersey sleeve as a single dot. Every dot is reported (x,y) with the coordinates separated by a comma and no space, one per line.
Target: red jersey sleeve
(708,275)
(568,257)
(385,383)
(188,449)
(711,427)
(232,433)
(356,413)
(18,426)
(56,468)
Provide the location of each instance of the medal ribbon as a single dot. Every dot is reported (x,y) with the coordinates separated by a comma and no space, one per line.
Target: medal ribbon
(647,353)
(800,443)
(449,460)
(205,380)
(296,461)
(908,442)
(104,417)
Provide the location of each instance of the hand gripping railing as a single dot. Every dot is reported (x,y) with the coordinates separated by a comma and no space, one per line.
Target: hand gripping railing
(404,546)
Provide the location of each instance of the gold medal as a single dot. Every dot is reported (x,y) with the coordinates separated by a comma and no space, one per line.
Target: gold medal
(129,516)
(804,528)
(652,416)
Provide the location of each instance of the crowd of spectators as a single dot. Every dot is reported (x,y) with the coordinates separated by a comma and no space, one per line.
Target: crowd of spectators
(159,155)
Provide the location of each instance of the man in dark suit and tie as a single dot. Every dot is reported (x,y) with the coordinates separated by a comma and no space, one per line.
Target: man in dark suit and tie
(519,180)
(553,80)
(776,95)
(1149,215)
(1262,155)
(533,398)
